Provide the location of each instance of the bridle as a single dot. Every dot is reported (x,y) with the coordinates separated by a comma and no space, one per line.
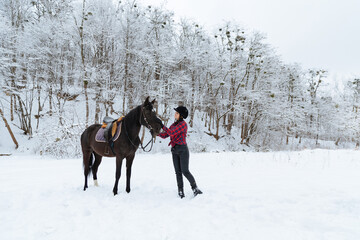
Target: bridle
(142,113)
(149,126)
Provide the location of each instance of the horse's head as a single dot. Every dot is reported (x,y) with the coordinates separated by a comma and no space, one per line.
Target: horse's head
(149,118)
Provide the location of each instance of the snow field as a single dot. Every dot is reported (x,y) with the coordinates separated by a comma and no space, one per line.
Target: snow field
(313,194)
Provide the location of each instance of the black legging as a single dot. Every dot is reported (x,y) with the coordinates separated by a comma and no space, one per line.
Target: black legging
(180,154)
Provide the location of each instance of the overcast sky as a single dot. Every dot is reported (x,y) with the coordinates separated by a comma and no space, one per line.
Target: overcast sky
(314,33)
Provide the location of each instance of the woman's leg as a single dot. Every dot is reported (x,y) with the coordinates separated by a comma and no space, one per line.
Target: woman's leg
(184,164)
(177,167)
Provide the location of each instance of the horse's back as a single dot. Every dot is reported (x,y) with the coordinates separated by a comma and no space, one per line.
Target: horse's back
(88,133)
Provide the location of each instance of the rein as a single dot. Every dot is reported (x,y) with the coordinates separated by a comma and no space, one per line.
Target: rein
(151,140)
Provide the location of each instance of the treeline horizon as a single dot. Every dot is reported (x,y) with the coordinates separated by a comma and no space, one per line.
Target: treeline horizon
(96,54)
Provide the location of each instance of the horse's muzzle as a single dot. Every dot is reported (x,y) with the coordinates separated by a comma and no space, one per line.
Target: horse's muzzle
(154,133)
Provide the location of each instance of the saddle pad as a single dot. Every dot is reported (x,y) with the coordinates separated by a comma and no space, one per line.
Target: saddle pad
(99,137)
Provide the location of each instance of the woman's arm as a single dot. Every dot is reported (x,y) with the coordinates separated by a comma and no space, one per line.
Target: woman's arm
(163,135)
(179,128)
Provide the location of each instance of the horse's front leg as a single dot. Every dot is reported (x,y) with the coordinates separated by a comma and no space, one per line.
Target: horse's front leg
(129,162)
(119,160)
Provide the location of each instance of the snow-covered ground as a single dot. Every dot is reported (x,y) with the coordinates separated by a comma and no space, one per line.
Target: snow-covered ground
(313,194)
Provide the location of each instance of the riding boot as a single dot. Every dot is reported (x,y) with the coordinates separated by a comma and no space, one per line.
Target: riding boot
(181,193)
(196,190)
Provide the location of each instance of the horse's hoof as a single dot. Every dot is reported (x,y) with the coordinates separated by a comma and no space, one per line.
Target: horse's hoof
(128,190)
(96,183)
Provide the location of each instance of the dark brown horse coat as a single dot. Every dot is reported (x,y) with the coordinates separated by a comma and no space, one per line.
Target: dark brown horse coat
(124,147)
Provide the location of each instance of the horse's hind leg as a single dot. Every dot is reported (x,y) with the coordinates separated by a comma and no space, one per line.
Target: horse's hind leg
(87,162)
(95,167)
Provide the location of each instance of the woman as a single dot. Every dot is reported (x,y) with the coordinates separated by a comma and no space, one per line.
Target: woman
(179,149)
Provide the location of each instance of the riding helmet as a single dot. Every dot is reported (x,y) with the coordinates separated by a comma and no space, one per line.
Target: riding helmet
(182,111)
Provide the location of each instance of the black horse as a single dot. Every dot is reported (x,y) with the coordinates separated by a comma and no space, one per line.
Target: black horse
(124,147)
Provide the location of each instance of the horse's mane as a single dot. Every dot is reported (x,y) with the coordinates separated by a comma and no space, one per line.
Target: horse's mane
(133,115)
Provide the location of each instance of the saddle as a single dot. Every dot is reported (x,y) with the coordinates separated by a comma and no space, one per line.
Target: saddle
(110,126)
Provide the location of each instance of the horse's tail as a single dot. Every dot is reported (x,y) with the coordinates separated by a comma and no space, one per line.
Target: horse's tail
(87,158)
(90,163)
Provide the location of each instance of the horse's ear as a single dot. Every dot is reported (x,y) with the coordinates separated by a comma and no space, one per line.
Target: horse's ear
(153,101)
(146,101)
